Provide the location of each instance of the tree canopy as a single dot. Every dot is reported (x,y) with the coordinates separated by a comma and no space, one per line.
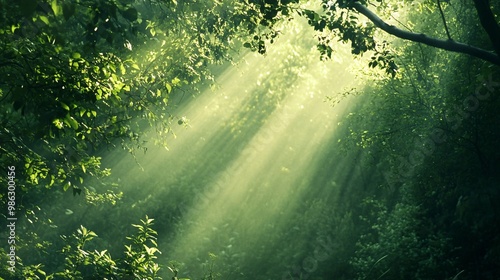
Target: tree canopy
(342,18)
(81,78)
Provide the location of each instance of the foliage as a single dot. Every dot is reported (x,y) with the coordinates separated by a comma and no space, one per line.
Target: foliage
(84,77)
(399,247)
(346,21)
(434,151)
(84,260)
(69,96)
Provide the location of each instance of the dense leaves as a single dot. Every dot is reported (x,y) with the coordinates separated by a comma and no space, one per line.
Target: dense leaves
(431,136)
(82,77)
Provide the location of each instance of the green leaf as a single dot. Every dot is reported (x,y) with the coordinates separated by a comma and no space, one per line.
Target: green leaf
(150,250)
(55,7)
(69,120)
(169,87)
(76,55)
(44,19)
(66,186)
(65,107)
(13,28)
(176,81)
(98,96)
(122,69)
(152,31)
(58,123)
(83,230)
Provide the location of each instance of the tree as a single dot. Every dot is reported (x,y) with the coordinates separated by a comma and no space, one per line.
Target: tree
(438,156)
(341,18)
(82,77)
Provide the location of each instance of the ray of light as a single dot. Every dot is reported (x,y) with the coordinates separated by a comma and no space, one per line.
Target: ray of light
(251,154)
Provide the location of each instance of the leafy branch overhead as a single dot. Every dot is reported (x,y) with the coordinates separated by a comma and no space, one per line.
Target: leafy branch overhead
(80,74)
(342,18)
(449,44)
(76,80)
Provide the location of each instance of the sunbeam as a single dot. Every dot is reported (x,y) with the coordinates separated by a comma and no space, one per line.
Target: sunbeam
(249,156)
(249,140)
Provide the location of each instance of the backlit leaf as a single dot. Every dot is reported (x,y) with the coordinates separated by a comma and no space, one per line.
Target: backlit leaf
(55,7)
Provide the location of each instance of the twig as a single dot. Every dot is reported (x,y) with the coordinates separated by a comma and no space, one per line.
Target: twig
(444,20)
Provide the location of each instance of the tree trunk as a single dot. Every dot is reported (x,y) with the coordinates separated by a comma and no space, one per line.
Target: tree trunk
(488,22)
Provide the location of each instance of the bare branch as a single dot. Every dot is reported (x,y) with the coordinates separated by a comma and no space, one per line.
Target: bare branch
(444,20)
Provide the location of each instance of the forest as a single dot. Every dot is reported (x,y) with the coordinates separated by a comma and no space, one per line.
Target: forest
(253,139)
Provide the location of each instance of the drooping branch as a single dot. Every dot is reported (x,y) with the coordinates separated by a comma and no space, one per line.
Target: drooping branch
(448,45)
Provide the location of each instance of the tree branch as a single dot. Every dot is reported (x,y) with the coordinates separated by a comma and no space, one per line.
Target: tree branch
(488,22)
(444,20)
(448,45)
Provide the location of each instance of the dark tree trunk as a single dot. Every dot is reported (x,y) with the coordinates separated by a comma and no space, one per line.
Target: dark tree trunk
(488,22)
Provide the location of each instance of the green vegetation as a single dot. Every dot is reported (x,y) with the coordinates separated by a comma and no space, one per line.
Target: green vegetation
(259,145)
